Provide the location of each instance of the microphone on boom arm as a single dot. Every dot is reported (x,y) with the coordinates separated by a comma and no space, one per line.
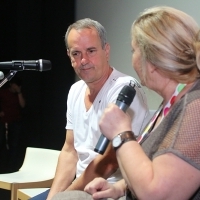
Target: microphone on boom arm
(20,65)
(124,100)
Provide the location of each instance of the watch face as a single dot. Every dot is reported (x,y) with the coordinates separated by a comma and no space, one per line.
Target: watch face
(117,141)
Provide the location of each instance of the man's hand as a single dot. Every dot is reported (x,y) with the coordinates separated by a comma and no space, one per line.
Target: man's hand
(16,88)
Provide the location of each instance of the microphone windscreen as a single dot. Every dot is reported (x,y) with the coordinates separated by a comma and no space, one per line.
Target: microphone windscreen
(126,95)
(1,75)
(45,65)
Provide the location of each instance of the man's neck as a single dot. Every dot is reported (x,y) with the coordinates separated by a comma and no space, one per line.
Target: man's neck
(95,87)
(93,90)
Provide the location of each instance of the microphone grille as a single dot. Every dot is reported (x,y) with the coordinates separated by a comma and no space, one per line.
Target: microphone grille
(127,94)
(45,65)
(1,75)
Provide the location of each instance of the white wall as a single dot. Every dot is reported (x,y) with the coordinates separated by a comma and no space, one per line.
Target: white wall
(117,17)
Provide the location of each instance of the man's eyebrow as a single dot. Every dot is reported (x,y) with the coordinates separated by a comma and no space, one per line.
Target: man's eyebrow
(73,50)
(91,48)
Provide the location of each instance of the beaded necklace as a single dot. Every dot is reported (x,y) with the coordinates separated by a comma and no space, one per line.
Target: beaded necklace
(151,125)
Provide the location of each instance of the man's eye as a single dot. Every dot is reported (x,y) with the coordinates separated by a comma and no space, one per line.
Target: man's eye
(74,54)
(92,51)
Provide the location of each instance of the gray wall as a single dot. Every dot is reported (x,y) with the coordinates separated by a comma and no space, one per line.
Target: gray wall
(117,17)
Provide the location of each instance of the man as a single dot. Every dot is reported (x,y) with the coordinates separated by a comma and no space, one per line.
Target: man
(11,104)
(100,84)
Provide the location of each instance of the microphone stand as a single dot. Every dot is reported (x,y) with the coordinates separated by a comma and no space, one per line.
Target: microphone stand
(8,77)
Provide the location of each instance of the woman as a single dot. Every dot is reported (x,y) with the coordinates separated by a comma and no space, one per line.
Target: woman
(164,162)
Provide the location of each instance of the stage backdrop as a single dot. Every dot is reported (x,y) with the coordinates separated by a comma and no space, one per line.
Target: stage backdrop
(31,30)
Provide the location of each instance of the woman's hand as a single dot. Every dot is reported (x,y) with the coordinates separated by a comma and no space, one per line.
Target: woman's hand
(100,188)
(114,121)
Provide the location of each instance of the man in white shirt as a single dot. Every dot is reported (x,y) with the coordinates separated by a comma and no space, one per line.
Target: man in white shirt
(100,85)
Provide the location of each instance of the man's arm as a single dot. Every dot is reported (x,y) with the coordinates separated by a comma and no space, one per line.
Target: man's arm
(102,166)
(22,101)
(66,167)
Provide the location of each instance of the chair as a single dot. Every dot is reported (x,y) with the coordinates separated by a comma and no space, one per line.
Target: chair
(37,171)
(25,194)
(151,113)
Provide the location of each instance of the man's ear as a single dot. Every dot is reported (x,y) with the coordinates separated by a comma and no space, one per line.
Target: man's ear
(68,52)
(107,50)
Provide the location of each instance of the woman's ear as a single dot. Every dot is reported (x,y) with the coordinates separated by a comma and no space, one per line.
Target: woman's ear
(151,67)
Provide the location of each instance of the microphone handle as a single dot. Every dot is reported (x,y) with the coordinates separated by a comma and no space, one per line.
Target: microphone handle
(122,105)
(103,141)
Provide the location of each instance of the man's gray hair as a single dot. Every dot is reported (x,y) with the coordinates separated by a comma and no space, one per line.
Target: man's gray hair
(88,23)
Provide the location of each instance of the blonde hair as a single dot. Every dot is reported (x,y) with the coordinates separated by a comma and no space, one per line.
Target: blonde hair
(170,40)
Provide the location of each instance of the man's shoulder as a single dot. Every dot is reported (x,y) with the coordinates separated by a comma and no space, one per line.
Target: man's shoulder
(122,78)
(78,84)
(5,91)
(76,89)
(119,73)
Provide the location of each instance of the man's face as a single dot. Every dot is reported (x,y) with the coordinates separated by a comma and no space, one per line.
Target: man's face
(88,59)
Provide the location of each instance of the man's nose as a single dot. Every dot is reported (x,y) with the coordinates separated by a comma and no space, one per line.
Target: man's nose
(84,59)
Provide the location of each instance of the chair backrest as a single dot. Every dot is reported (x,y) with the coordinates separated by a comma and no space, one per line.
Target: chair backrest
(150,115)
(40,159)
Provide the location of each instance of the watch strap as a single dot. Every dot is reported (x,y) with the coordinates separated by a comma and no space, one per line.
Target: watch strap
(125,137)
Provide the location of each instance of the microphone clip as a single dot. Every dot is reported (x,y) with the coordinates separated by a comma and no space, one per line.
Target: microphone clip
(8,77)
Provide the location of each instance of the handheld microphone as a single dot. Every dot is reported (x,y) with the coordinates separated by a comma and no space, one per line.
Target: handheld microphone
(20,65)
(124,100)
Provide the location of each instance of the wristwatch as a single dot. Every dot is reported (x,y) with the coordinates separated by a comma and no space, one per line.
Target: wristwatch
(122,138)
